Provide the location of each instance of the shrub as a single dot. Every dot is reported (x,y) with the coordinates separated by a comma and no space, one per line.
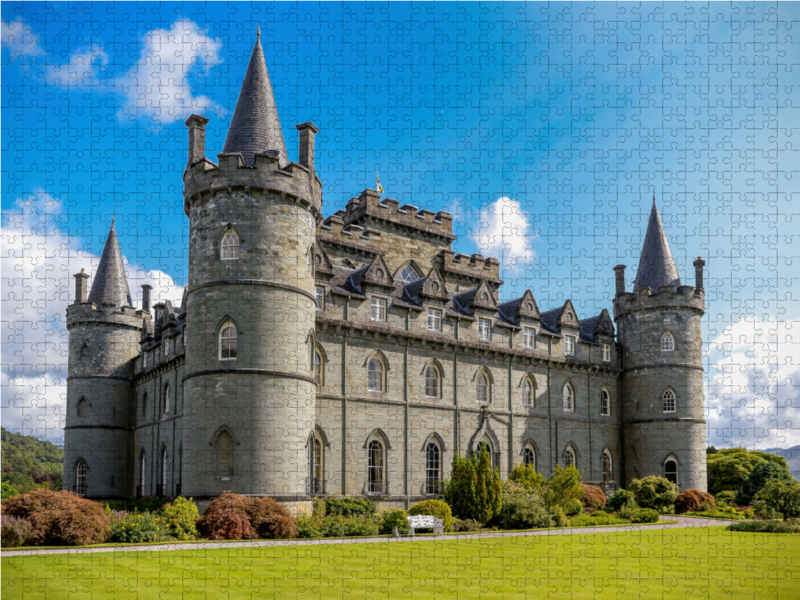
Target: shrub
(15,531)
(618,499)
(646,515)
(308,527)
(395,517)
(180,517)
(562,487)
(559,518)
(692,500)
(60,518)
(8,491)
(726,498)
(466,525)
(593,497)
(599,513)
(765,527)
(779,496)
(654,492)
(474,490)
(349,507)
(20,481)
(227,518)
(758,478)
(573,507)
(271,520)
(512,488)
(524,512)
(318,507)
(437,508)
(630,510)
(527,477)
(138,528)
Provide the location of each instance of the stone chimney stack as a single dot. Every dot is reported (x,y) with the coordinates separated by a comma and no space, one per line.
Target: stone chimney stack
(197,138)
(81,287)
(307,131)
(146,296)
(698,273)
(619,273)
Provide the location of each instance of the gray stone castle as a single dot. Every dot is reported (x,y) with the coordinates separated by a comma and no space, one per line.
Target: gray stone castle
(356,354)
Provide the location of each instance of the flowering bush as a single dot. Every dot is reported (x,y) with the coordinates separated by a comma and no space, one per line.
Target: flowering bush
(138,528)
(15,531)
(180,516)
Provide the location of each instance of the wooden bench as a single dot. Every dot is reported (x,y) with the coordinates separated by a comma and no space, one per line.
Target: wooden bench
(425,522)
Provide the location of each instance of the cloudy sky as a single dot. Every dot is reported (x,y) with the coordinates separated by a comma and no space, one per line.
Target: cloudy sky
(544,128)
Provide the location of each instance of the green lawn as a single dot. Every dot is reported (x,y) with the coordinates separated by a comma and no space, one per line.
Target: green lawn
(688,564)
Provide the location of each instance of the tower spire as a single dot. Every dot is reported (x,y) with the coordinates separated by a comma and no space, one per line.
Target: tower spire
(110,283)
(656,265)
(255,126)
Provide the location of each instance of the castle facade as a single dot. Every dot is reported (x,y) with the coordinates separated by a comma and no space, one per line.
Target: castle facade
(356,354)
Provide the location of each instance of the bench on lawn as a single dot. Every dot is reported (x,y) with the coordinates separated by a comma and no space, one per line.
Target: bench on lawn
(425,522)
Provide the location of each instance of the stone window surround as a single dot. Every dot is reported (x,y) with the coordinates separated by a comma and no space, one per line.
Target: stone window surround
(606,352)
(378,308)
(605,403)
(229,246)
(529,337)
(435,319)
(485,330)
(319,296)
(569,345)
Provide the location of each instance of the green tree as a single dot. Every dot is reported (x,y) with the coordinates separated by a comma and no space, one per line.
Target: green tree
(475,490)
(758,478)
(654,492)
(460,489)
(780,496)
(729,468)
(28,454)
(488,489)
(528,478)
(8,491)
(563,486)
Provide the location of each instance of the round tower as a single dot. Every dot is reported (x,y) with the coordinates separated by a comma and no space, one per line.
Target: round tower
(104,331)
(250,305)
(659,328)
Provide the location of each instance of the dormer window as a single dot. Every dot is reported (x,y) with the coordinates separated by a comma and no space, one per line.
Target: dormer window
(407,274)
(379,309)
(529,337)
(569,345)
(230,246)
(484,330)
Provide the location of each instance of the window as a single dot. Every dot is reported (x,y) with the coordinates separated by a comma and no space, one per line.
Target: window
(569,457)
(165,400)
(482,389)
(529,456)
(432,468)
(230,246)
(86,355)
(671,470)
(608,473)
(224,454)
(569,398)
(484,330)
(527,391)
(83,407)
(569,345)
(667,342)
(167,347)
(142,491)
(432,382)
(228,341)
(319,295)
(407,274)
(605,403)
(318,371)
(316,485)
(375,375)
(486,445)
(144,404)
(434,319)
(668,400)
(379,309)
(81,468)
(375,465)
(164,469)
(529,337)
(606,352)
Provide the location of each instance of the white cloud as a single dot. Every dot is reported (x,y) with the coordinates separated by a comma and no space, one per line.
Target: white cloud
(36,266)
(504,231)
(19,39)
(754,384)
(158,85)
(82,70)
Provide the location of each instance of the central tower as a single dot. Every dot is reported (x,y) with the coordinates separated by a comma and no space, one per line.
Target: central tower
(249,388)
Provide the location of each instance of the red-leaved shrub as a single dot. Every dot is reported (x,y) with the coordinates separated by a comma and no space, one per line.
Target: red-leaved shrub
(60,518)
(692,500)
(234,517)
(593,498)
(271,520)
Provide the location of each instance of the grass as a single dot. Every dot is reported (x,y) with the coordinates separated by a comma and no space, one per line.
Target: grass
(717,514)
(667,563)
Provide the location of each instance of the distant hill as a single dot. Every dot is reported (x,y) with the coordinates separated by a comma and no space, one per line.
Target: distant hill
(27,454)
(792,456)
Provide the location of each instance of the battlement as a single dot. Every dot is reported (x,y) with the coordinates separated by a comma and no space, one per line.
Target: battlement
(472,265)
(668,296)
(88,312)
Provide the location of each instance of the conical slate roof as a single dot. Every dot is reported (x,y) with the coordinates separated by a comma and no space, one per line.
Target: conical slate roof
(255,127)
(110,283)
(656,265)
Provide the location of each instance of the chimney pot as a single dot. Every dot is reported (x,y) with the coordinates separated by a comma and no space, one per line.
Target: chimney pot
(197,138)
(81,287)
(306,151)
(146,296)
(619,272)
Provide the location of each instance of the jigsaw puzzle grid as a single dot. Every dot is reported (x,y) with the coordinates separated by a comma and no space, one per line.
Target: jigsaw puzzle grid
(544,130)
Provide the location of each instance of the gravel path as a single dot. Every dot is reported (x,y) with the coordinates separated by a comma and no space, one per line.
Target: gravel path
(681,523)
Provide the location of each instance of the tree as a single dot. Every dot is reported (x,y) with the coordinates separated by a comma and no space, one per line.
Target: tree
(780,496)
(564,485)
(654,492)
(474,490)
(758,478)
(729,468)
(711,450)
(488,489)
(528,478)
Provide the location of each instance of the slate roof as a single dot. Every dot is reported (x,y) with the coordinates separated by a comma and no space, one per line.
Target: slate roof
(110,282)
(588,328)
(551,317)
(656,265)
(255,127)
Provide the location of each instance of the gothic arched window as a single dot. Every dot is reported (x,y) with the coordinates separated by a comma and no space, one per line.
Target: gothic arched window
(667,342)
(569,398)
(570,457)
(668,401)
(316,483)
(527,391)
(224,454)
(228,341)
(165,400)
(482,390)
(230,246)
(608,469)
(432,382)
(432,468)
(83,407)
(671,470)
(529,456)
(81,470)
(164,470)
(318,367)
(142,491)
(376,465)
(605,403)
(375,376)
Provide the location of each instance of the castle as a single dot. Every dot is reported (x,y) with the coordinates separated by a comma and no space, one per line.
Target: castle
(356,354)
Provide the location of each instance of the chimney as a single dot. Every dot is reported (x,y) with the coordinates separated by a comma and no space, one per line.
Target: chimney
(698,273)
(197,138)
(307,131)
(146,296)
(81,287)
(619,274)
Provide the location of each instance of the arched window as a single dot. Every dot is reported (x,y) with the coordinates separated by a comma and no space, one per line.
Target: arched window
(318,367)
(228,341)
(144,404)
(569,457)
(142,491)
(86,355)
(667,342)
(180,470)
(527,391)
(81,469)
(83,407)
(608,469)
(316,483)
(482,391)
(605,403)
(375,375)
(162,490)
(407,274)
(432,468)
(486,444)
(671,470)
(224,451)
(230,246)
(376,483)
(668,400)
(432,382)
(569,398)
(165,400)
(529,456)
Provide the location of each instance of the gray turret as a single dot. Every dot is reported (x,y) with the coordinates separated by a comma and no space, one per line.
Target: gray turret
(110,282)
(656,265)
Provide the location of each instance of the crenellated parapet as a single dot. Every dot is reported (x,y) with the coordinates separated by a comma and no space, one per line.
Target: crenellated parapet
(667,298)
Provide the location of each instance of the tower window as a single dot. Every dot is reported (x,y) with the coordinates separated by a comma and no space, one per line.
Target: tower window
(230,246)
(605,403)
(83,407)
(569,398)
(671,470)
(527,391)
(81,469)
(668,400)
(432,381)
(375,375)
(434,319)
(224,452)
(144,404)
(318,370)
(667,342)
(316,484)
(606,352)
(379,309)
(228,341)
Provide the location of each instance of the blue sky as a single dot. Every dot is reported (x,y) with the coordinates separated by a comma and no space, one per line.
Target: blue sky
(544,128)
